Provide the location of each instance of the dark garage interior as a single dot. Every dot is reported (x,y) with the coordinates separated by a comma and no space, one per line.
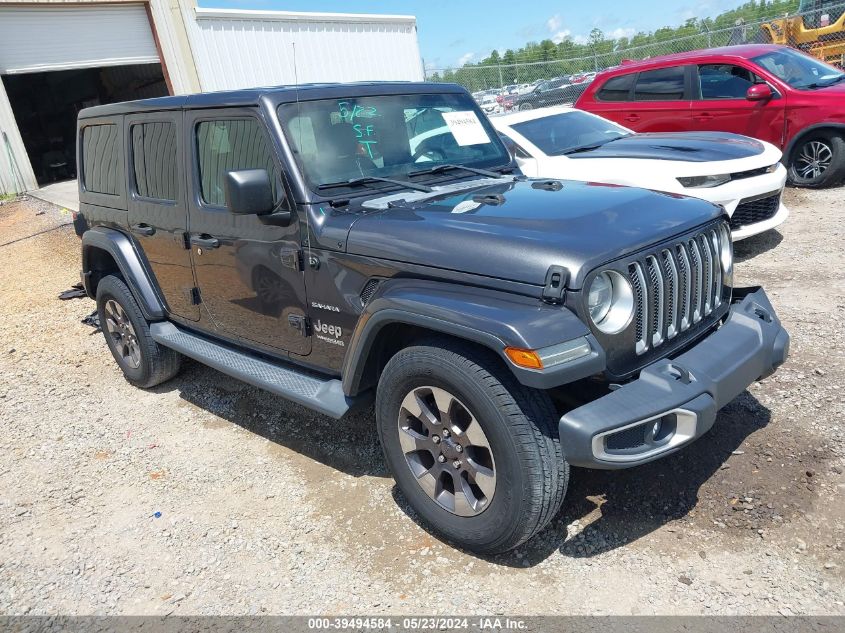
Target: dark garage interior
(45,106)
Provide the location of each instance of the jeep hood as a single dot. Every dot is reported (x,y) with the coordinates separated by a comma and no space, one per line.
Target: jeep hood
(695,147)
(521,229)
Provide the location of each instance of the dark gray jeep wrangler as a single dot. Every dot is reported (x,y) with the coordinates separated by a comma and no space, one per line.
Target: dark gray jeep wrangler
(334,242)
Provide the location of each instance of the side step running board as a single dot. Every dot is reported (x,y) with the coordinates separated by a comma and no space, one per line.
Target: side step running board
(303,387)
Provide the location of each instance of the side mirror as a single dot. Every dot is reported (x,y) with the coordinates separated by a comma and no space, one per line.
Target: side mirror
(759,92)
(249,192)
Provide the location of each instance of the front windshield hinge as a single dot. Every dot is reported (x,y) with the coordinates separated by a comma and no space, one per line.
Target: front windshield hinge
(493,199)
(547,185)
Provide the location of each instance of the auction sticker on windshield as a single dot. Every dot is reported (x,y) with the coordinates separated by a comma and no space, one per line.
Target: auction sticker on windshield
(466,128)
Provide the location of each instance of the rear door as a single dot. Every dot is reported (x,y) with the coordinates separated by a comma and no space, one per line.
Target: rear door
(612,99)
(660,101)
(158,212)
(249,273)
(719,104)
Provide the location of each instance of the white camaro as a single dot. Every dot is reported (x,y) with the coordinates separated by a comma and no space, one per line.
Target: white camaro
(742,174)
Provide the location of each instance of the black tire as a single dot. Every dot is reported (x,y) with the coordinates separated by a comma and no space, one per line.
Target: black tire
(156,363)
(520,424)
(526,106)
(829,144)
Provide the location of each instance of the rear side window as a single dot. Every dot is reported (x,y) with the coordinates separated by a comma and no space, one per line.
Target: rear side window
(664,84)
(230,145)
(101,166)
(616,88)
(154,160)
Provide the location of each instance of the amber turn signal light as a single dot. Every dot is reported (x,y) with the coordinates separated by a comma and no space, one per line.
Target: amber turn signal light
(524,357)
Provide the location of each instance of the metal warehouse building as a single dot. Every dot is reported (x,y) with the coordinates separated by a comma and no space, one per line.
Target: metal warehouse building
(57,57)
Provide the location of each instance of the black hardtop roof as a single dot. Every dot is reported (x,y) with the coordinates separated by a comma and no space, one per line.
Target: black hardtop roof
(278,94)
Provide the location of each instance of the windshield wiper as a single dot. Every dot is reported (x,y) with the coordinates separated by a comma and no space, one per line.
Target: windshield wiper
(439,168)
(816,84)
(588,148)
(363,180)
(582,148)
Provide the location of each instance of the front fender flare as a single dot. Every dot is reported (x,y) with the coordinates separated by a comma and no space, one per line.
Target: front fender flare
(490,318)
(131,267)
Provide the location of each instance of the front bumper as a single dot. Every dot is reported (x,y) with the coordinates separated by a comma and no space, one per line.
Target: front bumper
(673,402)
(761,227)
(732,194)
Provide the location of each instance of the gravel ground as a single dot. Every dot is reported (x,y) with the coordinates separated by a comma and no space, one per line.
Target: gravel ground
(269,508)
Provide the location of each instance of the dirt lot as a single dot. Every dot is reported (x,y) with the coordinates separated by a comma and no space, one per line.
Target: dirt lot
(269,508)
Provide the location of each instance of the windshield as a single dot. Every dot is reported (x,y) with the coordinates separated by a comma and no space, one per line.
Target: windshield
(560,133)
(797,69)
(337,140)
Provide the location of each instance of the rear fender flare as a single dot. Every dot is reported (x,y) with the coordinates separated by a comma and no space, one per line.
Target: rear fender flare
(131,267)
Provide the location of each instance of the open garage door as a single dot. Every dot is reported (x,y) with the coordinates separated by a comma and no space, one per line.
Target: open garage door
(39,39)
(56,60)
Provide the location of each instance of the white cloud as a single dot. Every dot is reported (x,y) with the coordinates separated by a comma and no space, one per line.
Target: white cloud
(559,34)
(465,58)
(615,34)
(558,37)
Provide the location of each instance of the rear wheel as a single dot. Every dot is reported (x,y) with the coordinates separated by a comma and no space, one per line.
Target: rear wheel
(144,362)
(818,161)
(476,454)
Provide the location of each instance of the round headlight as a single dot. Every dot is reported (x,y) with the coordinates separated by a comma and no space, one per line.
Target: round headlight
(600,297)
(610,301)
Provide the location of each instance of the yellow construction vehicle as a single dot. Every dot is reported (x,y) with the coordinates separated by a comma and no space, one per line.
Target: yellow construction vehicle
(817,29)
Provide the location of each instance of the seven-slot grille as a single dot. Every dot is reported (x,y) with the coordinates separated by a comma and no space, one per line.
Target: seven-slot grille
(755,210)
(676,287)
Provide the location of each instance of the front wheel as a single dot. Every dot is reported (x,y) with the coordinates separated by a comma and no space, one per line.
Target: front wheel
(526,106)
(818,161)
(476,454)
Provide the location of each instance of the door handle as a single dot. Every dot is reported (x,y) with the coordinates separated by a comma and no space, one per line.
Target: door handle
(143,229)
(633,118)
(704,116)
(205,241)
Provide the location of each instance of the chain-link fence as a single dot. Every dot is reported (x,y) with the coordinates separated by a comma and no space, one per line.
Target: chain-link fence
(499,83)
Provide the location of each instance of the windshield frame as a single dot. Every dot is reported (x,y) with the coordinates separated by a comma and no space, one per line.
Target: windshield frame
(286,109)
(535,150)
(801,58)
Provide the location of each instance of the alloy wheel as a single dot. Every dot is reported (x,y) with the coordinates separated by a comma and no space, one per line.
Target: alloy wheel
(120,329)
(813,160)
(447,451)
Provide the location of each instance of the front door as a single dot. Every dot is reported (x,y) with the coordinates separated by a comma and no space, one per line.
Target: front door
(248,273)
(721,106)
(157,203)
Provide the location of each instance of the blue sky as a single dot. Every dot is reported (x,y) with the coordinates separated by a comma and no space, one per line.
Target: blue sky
(452,32)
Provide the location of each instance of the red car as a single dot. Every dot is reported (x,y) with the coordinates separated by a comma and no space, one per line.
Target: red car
(773,93)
